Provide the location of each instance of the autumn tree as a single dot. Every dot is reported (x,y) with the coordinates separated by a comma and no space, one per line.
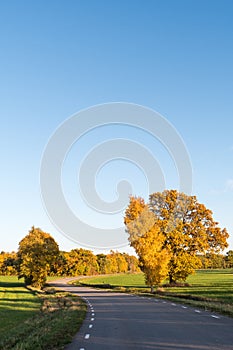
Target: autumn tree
(37,252)
(8,263)
(118,261)
(189,229)
(102,262)
(81,262)
(111,263)
(229,259)
(133,263)
(178,230)
(60,265)
(115,262)
(213,261)
(148,241)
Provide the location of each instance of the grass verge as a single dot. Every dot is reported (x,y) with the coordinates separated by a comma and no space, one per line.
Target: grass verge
(208,289)
(37,321)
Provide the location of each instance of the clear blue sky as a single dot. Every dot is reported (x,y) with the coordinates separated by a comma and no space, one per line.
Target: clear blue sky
(59,57)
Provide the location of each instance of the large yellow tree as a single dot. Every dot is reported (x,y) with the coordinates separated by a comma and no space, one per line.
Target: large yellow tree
(189,229)
(37,252)
(170,232)
(148,241)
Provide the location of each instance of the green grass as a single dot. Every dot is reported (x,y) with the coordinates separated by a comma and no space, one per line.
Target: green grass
(37,321)
(210,289)
(210,284)
(119,280)
(17,303)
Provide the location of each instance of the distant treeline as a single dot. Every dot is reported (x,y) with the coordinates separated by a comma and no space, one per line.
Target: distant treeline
(84,262)
(77,262)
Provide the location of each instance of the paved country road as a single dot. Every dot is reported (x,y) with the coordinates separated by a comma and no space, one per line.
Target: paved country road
(121,321)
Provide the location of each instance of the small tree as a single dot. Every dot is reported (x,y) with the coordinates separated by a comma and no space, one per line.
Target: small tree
(8,263)
(81,262)
(37,252)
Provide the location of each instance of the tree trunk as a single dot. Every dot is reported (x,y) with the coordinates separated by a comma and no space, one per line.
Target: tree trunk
(152,289)
(171,280)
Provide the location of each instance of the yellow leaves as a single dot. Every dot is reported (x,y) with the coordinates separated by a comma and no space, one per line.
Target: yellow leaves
(140,225)
(37,251)
(81,262)
(182,265)
(147,240)
(8,263)
(174,224)
(153,255)
(135,208)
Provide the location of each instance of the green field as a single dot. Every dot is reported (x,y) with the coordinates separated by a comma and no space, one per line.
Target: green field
(35,321)
(16,303)
(119,280)
(212,289)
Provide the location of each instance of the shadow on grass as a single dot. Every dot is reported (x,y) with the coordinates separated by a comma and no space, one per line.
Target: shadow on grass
(110,286)
(215,271)
(11,284)
(19,300)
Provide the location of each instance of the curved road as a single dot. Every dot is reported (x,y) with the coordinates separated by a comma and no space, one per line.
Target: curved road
(122,321)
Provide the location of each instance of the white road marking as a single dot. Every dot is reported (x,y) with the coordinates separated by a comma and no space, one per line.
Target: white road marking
(198,311)
(184,307)
(87,336)
(215,316)
(90,325)
(164,302)
(173,304)
(92,314)
(92,319)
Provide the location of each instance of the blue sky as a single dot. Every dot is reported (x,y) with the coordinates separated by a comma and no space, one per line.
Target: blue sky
(59,57)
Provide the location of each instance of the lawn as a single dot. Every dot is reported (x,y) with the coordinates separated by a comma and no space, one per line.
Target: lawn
(17,303)
(119,280)
(37,321)
(209,284)
(212,289)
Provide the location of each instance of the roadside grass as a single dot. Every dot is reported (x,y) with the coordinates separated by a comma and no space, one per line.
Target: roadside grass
(33,320)
(126,280)
(17,303)
(209,289)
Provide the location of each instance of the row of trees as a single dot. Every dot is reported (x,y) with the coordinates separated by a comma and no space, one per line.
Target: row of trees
(217,261)
(38,256)
(171,233)
(83,262)
(106,263)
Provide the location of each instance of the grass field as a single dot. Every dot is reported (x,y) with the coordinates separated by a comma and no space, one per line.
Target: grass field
(211,289)
(16,303)
(37,321)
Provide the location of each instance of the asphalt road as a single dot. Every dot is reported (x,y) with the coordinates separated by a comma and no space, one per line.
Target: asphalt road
(121,321)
